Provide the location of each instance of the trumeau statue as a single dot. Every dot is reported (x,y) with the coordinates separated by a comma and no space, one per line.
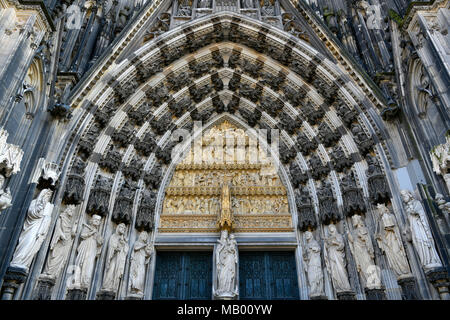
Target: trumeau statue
(61,242)
(362,250)
(115,259)
(34,230)
(142,252)
(390,243)
(335,259)
(313,265)
(226,264)
(420,232)
(87,252)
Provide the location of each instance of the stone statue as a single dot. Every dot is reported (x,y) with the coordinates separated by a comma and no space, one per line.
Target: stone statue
(362,250)
(389,241)
(5,196)
(34,230)
(226,264)
(313,266)
(140,257)
(10,155)
(115,259)
(87,252)
(61,242)
(335,260)
(440,157)
(420,231)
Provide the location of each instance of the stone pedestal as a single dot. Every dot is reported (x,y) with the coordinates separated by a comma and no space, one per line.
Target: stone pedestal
(409,288)
(319,298)
(106,295)
(440,280)
(134,297)
(375,294)
(346,295)
(76,294)
(44,288)
(13,278)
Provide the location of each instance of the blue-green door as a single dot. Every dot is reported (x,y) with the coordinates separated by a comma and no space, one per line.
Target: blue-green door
(183,275)
(268,275)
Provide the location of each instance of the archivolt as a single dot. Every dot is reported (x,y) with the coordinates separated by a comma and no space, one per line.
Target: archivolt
(254,56)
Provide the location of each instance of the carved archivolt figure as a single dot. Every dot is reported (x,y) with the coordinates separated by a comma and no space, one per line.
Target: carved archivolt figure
(390,243)
(313,265)
(226,264)
(142,252)
(420,232)
(61,242)
(34,230)
(87,252)
(335,260)
(363,252)
(115,259)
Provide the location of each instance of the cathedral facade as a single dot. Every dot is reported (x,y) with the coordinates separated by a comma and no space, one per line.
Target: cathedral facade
(224,149)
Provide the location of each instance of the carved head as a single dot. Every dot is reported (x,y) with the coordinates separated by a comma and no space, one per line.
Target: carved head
(143,236)
(45,195)
(224,235)
(357,220)
(308,235)
(406,196)
(121,228)
(70,210)
(95,220)
(332,229)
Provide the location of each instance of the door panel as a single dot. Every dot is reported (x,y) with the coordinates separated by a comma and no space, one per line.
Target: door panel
(268,275)
(183,275)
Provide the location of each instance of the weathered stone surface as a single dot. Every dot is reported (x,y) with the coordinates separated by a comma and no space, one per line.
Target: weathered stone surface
(145,215)
(318,169)
(87,143)
(99,197)
(378,186)
(140,114)
(146,145)
(123,207)
(73,192)
(328,210)
(111,160)
(124,136)
(339,160)
(298,177)
(305,210)
(133,169)
(153,178)
(327,136)
(352,196)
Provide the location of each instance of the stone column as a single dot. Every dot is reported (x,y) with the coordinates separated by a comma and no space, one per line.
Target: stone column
(12,280)
(440,280)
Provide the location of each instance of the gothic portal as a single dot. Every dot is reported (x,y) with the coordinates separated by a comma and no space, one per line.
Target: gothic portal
(224,149)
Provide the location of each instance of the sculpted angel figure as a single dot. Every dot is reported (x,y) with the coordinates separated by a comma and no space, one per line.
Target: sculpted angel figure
(142,252)
(335,259)
(420,231)
(61,242)
(313,265)
(34,230)
(115,259)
